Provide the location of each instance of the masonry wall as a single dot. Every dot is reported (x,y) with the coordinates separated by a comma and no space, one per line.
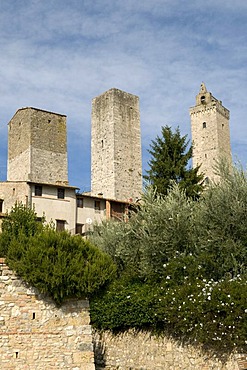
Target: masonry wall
(37,147)
(210,133)
(141,351)
(116,166)
(35,334)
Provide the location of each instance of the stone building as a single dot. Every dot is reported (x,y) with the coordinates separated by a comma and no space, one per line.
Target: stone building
(116,166)
(38,171)
(37,147)
(210,133)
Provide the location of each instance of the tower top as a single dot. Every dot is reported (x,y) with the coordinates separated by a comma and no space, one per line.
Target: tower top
(203,88)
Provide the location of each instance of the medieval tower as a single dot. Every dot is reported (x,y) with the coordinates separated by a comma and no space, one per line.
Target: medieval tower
(210,133)
(37,147)
(116,166)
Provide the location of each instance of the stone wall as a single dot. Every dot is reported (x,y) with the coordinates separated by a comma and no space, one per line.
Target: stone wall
(36,334)
(210,133)
(37,147)
(116,166)
(141,351)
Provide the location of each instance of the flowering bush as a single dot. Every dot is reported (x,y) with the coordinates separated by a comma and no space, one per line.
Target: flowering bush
(208,313)
(181,267)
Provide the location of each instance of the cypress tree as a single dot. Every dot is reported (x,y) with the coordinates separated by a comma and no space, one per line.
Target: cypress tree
(170,156)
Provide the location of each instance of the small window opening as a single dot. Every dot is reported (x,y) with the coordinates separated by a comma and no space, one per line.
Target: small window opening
(223,125)
(97,205)
(79,228)
(16,354)
(60,193)
(203,99)
(79,202)
(1,205)
(204,125)
(34,315)
(49,121)
(60,225)
(38,190)
(206,156)
(102,143)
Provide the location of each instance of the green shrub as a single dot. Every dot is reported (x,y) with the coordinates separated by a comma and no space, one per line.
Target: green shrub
(21,221)
(207,313)
(60,264)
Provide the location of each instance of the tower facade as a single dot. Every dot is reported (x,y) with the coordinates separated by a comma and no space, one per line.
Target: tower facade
(210,133)
(37,147)
(116,166)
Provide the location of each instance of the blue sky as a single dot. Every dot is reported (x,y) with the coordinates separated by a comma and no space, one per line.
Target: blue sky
(57,55)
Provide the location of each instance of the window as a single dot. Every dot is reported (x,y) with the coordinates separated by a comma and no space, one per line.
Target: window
(203,99)
(60,193)
(38,190)
(204,125)
(97,205)
(79,202)
(1,205)
(78,229)
(60,225)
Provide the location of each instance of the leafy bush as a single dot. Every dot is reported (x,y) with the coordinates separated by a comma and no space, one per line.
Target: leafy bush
(182,266)
(20,221)
(55,263)
(60,264)
(207,313)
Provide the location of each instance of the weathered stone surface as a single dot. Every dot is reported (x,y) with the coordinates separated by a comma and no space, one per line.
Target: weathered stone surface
(36,334)
(116,166)
(140,350)
(37,137)
(210,133)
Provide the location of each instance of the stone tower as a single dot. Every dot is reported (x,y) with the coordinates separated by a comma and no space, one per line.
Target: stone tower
(37,147)
(210,133)
(116,166)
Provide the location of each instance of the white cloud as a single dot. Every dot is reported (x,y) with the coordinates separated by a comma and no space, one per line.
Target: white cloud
(58,55)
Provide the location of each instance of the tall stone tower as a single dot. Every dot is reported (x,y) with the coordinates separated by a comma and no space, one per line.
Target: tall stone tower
(37,147)
(210,133)
(116,166)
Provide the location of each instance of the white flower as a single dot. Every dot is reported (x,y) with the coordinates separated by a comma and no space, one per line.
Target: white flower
(168,277)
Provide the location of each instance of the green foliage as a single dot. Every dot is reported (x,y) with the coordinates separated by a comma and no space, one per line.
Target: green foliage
(161,228)
(181,266)
(60,264)
(55,263)
(169,163)
(21,221)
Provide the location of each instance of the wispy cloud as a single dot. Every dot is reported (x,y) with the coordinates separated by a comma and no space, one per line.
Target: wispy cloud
(58,55)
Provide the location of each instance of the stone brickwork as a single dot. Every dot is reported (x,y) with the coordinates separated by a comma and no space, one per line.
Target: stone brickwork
(210,133)
(116,167)
(141,351)
(37,147)
(37,335)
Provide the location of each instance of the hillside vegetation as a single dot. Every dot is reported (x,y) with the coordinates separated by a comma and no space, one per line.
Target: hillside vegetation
(181,266)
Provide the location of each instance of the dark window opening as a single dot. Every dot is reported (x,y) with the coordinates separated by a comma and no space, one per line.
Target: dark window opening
(38,190)
(79,202)
(60,225)
(204,125)
(97,205)
(1,205)
(203,99)
(33,315)
(60,193)
(78,229)
(102,143)
(16,354)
